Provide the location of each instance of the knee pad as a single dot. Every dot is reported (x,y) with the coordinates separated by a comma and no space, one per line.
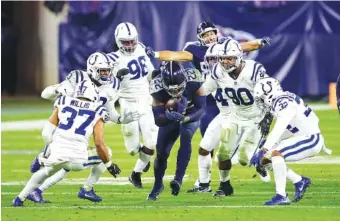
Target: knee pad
(225,134)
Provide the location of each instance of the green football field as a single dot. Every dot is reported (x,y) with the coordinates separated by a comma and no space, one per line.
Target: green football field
(121,201)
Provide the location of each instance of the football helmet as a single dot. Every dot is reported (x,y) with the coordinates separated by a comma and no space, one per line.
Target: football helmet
(99,67)
(126,38)
(266,91)
(202,29)
(173,78)
(211,56)
(230,55)
(87,89)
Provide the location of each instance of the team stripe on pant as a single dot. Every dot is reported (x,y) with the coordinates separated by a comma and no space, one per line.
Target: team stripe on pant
(301,146)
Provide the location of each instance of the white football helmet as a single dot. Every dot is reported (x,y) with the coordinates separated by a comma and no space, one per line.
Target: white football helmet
(87,89)
(266,91)
(230,55)
(99,67)
(126,38)
(211,55)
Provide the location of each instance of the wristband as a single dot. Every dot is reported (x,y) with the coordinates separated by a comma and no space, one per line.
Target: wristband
(108,164)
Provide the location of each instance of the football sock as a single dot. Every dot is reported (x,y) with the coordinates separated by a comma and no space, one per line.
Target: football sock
(55,178)
(280,174)
(96,172)
(142,161)
(224,175)
(292,176)
(204,166)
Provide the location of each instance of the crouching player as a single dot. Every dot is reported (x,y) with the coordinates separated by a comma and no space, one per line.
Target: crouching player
(70,126)
(175,88)
(295,119)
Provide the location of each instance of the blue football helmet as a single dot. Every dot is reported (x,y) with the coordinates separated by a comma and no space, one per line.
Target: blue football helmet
(202,29)
(173,78)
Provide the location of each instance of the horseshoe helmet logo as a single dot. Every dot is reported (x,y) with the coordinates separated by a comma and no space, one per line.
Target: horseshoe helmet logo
(267,89)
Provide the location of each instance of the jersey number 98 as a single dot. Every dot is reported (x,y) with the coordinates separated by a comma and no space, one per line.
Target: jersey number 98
(138,68)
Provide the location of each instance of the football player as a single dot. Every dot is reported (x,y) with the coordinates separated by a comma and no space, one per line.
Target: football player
(67,134)
(207,35)
(183,88)
(237,78)
(135,70)
(99,72)
(295,136)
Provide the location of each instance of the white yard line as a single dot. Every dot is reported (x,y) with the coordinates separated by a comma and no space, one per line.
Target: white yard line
(172,207)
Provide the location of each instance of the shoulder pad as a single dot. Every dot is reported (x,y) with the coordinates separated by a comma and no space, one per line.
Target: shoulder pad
(103,113)
(282,102)
(193,75)
(259,72)
(156,85)
(61,100)
(190,44)
(113,56)
(76,76)
(214,72)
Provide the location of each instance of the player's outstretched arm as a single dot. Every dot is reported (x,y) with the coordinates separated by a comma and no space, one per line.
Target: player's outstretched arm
(102,151)
(199,104)
(50,127)
(256,44)
(169,55)
(53,91)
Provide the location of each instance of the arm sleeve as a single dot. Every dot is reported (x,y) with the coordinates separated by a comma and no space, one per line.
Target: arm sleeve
(159,114)
(209,86)
(47,132)
(199,103)
(282,120)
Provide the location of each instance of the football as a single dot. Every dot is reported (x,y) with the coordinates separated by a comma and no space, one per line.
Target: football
(171,105)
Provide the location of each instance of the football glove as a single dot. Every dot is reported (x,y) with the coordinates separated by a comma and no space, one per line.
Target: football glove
(265,41)
(181,104)
(174,116)
(113,169)
(265,123)
(256,159)
(121,73)
(128,116)
(150,52)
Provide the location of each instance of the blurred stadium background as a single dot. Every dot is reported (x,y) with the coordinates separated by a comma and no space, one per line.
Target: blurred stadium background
(41,42)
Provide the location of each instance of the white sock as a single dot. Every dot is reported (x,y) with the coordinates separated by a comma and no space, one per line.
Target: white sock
(204,166)
(292,176)
(96,172)
(58,176)
(142,161)
(224,175)
(280,174)
(36,180)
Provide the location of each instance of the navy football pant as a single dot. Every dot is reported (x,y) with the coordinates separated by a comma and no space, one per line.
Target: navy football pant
(167,137)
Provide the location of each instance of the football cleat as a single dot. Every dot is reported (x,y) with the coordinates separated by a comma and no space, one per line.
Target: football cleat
(17,202)
(35,165)
(300,188)
(135,179)
(36,196)
(225,189)
(278,200)
(264,174)
(156,190)
(175,187)
(200,189)
(89,195)
(146,168)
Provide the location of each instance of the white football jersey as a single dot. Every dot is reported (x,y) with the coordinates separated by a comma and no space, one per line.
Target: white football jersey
(108,93)
(77,119)
(304,121)
(134,85)
(239,92)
